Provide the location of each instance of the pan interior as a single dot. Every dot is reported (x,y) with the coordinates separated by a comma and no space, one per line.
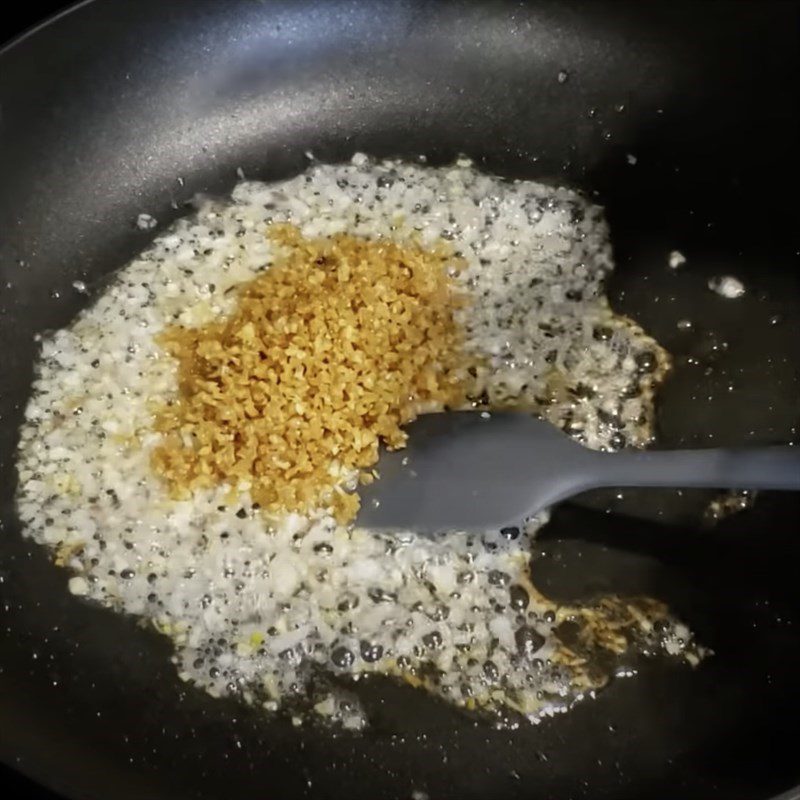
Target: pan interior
(164,100)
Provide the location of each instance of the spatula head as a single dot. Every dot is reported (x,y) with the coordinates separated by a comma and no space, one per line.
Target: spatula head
(472,471)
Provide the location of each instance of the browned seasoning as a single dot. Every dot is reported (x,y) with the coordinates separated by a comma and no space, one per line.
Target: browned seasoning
(327,354)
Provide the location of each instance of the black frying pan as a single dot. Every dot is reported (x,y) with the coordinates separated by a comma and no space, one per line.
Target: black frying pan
(104,109)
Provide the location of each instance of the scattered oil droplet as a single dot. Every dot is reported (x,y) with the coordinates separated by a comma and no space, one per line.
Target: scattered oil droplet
(592,113)
(528,640)
(146,222)
(342,657)
(371,652)
(727,286)
(498,578)
(490,671)
(676,259)
(510,532)
(518,597)
(79,286)
(684,325)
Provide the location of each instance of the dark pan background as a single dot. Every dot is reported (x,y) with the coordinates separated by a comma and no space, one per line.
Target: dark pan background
(89,703)
(25,16)
(13,783)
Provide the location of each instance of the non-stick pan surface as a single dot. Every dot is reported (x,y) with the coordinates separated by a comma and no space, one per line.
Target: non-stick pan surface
(121,107)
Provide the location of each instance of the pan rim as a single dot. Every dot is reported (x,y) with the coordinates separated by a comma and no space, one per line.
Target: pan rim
(9,45)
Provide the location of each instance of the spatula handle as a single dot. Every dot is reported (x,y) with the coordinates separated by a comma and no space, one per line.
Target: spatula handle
(733,468)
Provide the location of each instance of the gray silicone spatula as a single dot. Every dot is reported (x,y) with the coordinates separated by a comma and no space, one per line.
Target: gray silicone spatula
(472,471)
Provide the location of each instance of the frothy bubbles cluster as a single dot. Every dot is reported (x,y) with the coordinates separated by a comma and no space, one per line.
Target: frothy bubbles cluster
(276,610)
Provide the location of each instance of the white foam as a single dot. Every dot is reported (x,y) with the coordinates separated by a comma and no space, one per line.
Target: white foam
(254,608)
